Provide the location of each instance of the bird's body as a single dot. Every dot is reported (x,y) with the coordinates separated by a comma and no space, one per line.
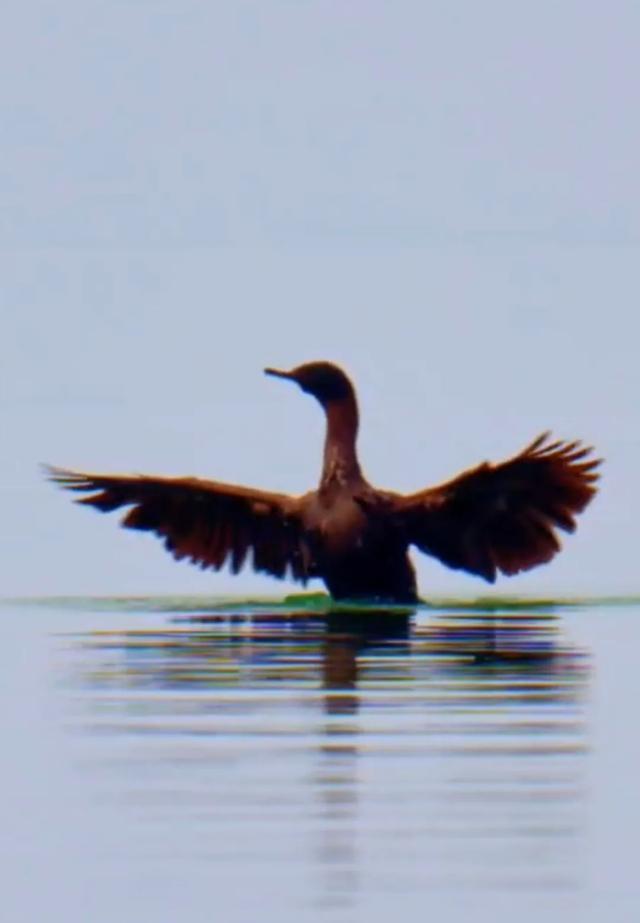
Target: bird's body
(354,545)
(490,519)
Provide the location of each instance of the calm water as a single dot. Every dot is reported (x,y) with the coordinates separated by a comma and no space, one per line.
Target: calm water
(166,762)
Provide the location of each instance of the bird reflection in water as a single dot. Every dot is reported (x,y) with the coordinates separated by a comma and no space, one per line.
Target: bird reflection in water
(457,736)
(349,637)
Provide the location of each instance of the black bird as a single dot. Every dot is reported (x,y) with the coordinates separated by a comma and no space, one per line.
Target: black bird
(494,518)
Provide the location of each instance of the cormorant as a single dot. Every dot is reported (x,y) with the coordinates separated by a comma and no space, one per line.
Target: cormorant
(493,518)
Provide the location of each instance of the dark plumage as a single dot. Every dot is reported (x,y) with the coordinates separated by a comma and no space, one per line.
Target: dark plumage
(495,518)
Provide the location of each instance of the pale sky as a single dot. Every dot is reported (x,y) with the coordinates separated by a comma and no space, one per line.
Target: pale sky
(443,197)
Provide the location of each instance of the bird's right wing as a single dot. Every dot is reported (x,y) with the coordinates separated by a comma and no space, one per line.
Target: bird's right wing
(205,521)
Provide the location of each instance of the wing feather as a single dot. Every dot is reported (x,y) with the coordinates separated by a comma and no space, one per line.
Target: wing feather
(206,522)
(504,517)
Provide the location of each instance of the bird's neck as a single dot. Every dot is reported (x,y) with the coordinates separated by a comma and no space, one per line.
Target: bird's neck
(340,463)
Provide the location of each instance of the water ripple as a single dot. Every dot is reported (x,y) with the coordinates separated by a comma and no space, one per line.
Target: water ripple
(376,751)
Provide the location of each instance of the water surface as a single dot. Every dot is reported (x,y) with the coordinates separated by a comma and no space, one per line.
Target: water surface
(167,759)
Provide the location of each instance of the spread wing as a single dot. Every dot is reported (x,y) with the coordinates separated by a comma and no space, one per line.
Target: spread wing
(205,521)
(503,518)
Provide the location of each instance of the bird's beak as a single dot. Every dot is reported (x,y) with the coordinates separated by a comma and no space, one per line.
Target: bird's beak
(278,373)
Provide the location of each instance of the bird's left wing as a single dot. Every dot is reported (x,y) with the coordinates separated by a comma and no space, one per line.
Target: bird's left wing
(206,521)
(503,517)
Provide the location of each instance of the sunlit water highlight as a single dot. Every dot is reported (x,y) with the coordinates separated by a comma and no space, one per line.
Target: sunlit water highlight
(173,761)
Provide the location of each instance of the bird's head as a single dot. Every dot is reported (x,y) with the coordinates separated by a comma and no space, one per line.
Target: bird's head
(325,381)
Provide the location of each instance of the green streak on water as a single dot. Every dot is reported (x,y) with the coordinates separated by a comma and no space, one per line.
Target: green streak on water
(310,602)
